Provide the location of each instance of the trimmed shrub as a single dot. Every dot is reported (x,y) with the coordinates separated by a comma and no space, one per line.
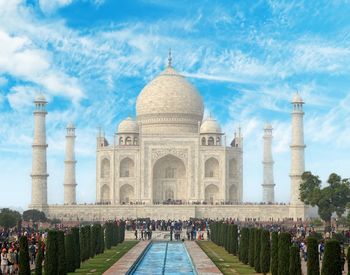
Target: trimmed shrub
(257,250)
(62,268)
(274,253)
(102,239)
(294,261)
(24,266)
(265,251)
(313,263)
(51,259)
(251,246)
(234,239)
(70,252)
(76,237)
(348,259)
(244,245)
(332,258)
(39,259)
(284,241)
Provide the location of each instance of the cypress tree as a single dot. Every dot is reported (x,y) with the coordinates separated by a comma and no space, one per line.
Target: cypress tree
(257,250)
(244,245)
(24,266)
(121,231)
(348,259)
(332,258)
(284,241)
(76,236)
(82,244)
(265,251)
(294,260)
(88,241)
(225,236)
(70,252)
(251,246)
(102,247)
(51,259)
(274,253)
(313,264)
(108,235)
(39,259)
(234,239)
(62,267)
(93,245)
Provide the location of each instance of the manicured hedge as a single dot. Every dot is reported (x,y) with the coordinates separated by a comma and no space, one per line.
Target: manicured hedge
(24,256)
(257,250)
(284,242)
(265,251)
(251,246)
(244,245)
(274,253)
(313,263)
(332,258)
(294,261)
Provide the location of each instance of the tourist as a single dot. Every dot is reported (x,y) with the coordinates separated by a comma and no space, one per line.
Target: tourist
(11,261)
(4,262)
(136,234)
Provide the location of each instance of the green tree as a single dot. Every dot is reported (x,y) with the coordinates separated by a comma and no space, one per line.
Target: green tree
(234,239)
(265,251)
(284,241)
(257,250)
(313,263)
(348,259)
(51,257)
(251,246)
(62,266)
(244,245)
(75,232)
(9,218)
(70,252)
(274,253)
(39,259)
(34,215)
(332,258)
(294,261)
(330,199)
(24,267)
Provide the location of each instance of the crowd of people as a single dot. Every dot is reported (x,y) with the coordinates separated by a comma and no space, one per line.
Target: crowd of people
(9,244)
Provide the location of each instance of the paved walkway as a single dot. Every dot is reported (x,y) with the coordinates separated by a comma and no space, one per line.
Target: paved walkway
(124,264)
(201,261)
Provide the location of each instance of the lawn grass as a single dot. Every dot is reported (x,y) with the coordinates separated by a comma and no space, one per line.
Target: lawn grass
(227,263)
(102,262)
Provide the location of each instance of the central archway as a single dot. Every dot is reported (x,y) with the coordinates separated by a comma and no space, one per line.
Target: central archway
(169,180)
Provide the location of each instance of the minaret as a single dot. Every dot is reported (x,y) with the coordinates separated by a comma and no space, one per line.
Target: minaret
(297,147)
(268,183)
(39,166)
(69,167)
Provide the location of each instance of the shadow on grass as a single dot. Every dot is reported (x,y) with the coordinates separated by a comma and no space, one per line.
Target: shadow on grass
(227,263)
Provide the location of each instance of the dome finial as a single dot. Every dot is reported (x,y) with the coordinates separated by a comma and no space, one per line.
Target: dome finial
(170,59)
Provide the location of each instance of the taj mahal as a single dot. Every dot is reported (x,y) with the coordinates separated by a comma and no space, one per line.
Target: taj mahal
(170,162)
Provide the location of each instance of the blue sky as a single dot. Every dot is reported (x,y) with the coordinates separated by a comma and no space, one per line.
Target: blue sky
(91,58)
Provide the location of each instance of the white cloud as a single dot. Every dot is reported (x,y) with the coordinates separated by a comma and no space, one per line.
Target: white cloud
(21,97)
(50,6)
(20,58)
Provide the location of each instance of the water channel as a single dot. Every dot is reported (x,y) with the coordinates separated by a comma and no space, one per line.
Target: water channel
(164,258)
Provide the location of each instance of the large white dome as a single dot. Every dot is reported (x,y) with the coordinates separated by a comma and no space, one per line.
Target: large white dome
(169,104)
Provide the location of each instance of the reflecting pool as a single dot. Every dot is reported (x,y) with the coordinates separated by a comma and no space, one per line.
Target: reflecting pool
(164,258)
